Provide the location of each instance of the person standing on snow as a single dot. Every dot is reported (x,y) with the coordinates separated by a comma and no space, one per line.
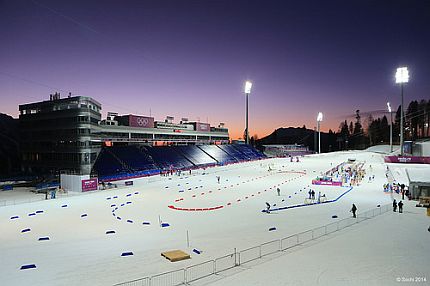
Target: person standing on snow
(400,207)
(267,208)
(394,205)
(354,210)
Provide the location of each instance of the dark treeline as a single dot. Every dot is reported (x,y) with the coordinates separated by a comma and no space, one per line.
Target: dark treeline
(360,132)
(353,135)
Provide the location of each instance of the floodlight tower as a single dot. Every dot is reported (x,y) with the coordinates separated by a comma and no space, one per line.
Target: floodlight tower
(319,119)
(402,77)
(248,86)
(391,127)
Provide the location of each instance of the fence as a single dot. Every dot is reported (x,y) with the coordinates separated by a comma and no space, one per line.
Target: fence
(208,268)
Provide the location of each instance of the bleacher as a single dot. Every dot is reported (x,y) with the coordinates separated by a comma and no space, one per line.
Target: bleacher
(239,156)
(249,152)
(168,158)
(106,164)
(124,162)
(218,154)
(195,155)
(132,157)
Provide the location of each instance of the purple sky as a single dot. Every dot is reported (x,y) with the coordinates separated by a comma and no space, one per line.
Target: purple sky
(191,58)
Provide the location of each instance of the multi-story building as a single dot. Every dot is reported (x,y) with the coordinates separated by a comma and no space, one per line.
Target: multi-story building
(66,134)
(57,135)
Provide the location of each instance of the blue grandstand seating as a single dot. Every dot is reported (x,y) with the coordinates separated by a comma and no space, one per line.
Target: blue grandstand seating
(233,152)
(125,162)
(135,159)
(249,152)
(195,155)
(168,158)
(218,154)
(107,164)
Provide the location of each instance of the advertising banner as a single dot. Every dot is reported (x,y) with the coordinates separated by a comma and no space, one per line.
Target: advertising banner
(141,121)
(204,127)
(407,159)
(89,185)
(326,183)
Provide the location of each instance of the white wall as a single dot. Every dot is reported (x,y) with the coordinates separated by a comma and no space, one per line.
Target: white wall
(72,183)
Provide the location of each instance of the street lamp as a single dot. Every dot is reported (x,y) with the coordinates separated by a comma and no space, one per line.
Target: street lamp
(391,127)
(248,86)
(319,119)
(402,77)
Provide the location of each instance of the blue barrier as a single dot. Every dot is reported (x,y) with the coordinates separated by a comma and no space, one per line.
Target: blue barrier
(128,195)
(110,232)
(136,193)
(272,228)
(14,217)
(31,214)
(306,205)
(196,251)
(28,266)
(129,253)
(43,238)
(84,215)
(146,223)
(7,188)
(25,230)
(130,221)
(64,206)
(39,212)
(165,224)
(118,218)
(334,216)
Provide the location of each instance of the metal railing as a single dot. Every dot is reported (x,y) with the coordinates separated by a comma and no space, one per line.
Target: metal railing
(211,267)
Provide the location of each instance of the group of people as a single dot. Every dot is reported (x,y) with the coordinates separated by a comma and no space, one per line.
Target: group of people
(395,205)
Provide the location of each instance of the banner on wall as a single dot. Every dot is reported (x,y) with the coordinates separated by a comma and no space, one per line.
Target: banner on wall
(89,185)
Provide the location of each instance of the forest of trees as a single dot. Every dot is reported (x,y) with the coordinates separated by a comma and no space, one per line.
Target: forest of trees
(360,132)
(354,135)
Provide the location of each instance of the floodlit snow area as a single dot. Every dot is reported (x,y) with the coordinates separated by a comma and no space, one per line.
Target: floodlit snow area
(84,236)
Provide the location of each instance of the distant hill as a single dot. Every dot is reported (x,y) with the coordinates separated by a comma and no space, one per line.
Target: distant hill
(299,135)
(9,146)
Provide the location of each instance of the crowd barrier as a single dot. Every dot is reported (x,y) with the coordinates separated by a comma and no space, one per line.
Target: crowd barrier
(195,272)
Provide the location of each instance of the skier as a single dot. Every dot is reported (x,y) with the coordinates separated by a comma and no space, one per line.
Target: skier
(279,191)
(267,208)
(394,205)
(218,178)
(313,194)
(310,194)
(400,207)
(353,210)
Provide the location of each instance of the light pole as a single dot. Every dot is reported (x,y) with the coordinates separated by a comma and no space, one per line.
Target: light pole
(402,77)
(319,119)
(391,127)
(248,86)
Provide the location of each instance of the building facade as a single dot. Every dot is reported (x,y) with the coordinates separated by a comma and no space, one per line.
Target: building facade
(57,135)
(66,134)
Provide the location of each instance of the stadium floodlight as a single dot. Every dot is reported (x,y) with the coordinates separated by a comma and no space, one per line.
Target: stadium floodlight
(248,86)
(402,77)
(391,127)
(319,119)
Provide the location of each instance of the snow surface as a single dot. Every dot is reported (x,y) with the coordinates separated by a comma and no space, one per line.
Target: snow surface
(79,251)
